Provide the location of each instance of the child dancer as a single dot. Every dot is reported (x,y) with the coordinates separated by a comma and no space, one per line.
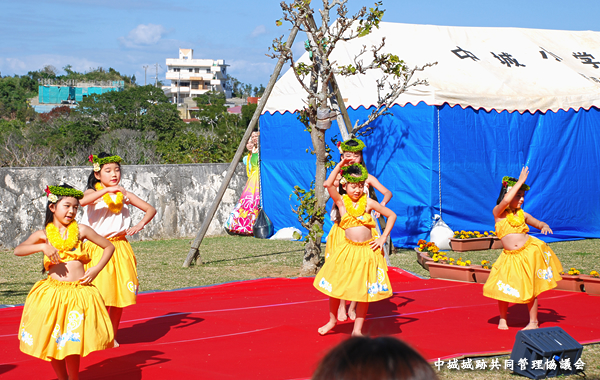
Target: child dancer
(64,316)
(352,150)
(104,211)
(527,266)
(357,270)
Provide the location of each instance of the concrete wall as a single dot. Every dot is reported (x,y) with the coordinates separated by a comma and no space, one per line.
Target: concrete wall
(181,194)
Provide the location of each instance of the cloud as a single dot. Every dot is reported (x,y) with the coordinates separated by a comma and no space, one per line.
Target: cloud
(20,66)
(261,29)
(251,71)
(11,66)
(148,34)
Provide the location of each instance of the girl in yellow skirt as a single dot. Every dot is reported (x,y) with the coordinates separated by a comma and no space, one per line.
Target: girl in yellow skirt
(105,212)
(356,271)
(64,316)
(527,266)
(351,149)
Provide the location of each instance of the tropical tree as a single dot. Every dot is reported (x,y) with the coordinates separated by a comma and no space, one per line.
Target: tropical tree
(315,78)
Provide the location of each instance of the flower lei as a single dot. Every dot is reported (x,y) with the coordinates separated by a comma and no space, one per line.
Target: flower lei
(515,219)
(52,192)
(353,179)
(353,209)
(54,238)
(114,206)
(510,182)
(98,162)
(349,148)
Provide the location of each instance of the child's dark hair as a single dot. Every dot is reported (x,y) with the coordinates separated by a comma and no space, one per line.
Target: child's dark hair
(352,171)
(92,180)
(383,358)
(504,190)
(355,143)
(49,214)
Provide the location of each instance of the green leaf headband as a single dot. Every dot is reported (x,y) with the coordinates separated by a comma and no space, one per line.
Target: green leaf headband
(53,192)
(511,181)
(98,162)
(350,178)
(349,148)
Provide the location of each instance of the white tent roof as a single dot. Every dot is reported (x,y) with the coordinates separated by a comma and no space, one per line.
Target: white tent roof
(543,69)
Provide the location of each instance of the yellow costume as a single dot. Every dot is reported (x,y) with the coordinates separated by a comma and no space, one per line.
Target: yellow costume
(520,275)
(63,318)
(337,235)
(117,282)
(355,272)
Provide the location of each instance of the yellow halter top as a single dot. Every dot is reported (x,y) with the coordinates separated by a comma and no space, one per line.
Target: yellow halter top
(503,228)
(365,220)
(74,254)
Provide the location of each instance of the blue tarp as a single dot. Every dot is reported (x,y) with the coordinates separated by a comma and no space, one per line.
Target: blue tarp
(477,148)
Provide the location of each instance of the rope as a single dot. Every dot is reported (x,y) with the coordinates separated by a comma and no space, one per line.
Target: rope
(439,159)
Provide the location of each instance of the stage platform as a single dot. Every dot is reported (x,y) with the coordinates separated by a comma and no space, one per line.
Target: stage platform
(267,329)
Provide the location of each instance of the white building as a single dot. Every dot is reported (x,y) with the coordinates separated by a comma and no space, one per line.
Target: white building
(191,77)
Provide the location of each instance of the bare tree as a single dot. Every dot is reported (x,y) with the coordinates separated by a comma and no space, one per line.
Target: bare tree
(315,78)
(16,150)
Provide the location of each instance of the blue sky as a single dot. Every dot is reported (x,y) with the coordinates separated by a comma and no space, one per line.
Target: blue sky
(128,34)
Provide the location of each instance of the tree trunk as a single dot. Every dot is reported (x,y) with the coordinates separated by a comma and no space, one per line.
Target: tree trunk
(312,255)
(312,249)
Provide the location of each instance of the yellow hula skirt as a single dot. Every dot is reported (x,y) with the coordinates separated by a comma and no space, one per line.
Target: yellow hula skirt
(521,275)
(355,273)
(337,237)
(62,318)
(117,282)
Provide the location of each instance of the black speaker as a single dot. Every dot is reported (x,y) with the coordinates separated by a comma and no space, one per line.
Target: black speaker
(550,344)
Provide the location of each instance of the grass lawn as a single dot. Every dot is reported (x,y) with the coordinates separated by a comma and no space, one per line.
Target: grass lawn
(235,258)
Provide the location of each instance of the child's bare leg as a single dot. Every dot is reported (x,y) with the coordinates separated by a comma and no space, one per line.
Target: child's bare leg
(341,314)
(334,304)
(352,311)
(361,313)
(115,314)
(503,306)
(73,366)
(533,311)
(60,368)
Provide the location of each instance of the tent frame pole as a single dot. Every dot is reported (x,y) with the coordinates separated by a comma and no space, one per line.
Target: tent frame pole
(194,253)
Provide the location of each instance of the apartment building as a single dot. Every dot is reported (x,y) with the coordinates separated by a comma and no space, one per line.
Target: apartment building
(191,77)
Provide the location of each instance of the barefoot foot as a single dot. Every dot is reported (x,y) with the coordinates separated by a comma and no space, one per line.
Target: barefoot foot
(502,325)
(325,329)
(115,344)
(352,314)
(531,326)
(341,315)
(357,333)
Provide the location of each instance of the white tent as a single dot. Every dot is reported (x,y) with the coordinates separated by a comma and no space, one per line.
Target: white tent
(490,68)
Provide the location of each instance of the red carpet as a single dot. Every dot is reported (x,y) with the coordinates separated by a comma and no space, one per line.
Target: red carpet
(267,329)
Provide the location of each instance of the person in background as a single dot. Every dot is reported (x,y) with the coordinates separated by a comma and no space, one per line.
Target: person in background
(383,358)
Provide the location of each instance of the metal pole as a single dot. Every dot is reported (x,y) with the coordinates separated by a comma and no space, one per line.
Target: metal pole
(145,68)
(194,254)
